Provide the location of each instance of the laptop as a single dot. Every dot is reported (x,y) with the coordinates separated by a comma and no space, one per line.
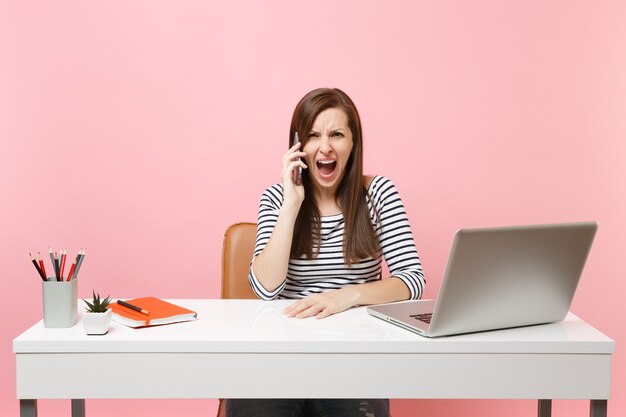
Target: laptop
(500,278)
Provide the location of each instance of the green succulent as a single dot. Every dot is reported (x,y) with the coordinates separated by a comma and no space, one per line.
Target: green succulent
(97,305)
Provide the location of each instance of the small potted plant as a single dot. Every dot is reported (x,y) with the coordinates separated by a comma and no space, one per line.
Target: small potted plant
(97,315)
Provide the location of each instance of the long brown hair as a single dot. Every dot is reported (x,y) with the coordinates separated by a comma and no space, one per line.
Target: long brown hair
(360,241)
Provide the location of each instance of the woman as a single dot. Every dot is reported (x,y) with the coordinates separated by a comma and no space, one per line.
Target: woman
(322,241)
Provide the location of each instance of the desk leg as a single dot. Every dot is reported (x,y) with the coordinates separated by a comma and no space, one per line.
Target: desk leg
(78,408)
(598,408)
(545,408)
(28,408)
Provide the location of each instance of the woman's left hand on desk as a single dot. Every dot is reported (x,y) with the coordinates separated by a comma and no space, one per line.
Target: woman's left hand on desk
(323,304)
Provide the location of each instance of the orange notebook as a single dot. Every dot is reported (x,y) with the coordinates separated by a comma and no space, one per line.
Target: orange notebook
(160,312)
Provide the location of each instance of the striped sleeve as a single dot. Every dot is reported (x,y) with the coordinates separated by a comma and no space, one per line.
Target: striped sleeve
(395,236)
(269,206)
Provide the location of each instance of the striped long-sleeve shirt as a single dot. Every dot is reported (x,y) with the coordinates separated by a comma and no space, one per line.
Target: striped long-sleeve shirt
(328,270)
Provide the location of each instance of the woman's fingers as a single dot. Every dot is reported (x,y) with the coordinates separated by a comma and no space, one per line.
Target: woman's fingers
(323,314)
(295,308)
(293,159)
(313,310)
(293,152)
(295,164)
(303,308)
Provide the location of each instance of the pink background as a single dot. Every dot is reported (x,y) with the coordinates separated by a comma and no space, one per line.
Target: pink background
(142,129)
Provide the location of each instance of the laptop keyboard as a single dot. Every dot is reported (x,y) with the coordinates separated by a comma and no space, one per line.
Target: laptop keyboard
(425,317)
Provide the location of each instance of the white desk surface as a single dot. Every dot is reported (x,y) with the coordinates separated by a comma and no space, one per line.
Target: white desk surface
(254,326)
(236,345)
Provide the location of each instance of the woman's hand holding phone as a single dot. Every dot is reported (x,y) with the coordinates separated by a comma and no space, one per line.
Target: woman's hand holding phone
(292,174)
(297,172)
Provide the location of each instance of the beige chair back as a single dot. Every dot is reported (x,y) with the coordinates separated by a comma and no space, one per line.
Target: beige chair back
(236,256)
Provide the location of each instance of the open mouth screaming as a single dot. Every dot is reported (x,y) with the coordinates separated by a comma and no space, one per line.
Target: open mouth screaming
(326,168)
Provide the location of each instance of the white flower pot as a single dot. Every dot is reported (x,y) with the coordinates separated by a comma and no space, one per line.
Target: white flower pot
(97,323)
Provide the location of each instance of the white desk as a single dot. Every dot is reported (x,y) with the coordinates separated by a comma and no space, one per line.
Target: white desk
(247,349)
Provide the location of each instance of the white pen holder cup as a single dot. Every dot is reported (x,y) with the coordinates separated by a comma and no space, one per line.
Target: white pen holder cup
(59,302)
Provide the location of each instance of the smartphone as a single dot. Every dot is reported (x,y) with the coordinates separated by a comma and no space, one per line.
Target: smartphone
(297,173)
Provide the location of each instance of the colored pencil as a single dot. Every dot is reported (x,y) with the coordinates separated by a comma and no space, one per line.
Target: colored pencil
(52,260)
(79,261)
(39,271)
(63,254)
(132,307)
(56,266)
(41,265)
(69,274)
